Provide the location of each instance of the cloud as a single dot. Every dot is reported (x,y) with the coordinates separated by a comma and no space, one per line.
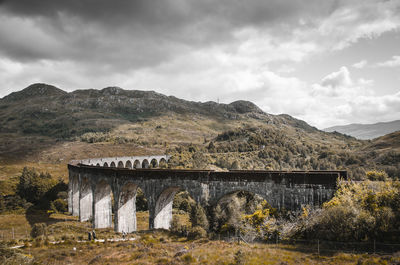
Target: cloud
(337,79)
(394,62)
(197,50)
(360,19)
(361,64)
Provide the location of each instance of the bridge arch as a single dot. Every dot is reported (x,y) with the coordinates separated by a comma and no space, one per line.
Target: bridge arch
(120,164)
(145,163)
(161,214)
(98,164)
(137,164)
(112,164)
(102,205)
(128,164)
(228,210)
(125,216)
(105,164)
(154,163)
(163,163)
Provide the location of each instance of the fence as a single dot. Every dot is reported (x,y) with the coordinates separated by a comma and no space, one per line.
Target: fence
(15,234)
(322,246)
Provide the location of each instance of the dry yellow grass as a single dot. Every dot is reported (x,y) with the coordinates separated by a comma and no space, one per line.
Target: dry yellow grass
(160,247)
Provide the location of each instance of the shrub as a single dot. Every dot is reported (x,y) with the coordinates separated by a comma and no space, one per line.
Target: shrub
(59,205)
(198,217)
(197,232)
(377,175)
(239,258)
(188,258)
(141,201)
(39,229)
(177,227)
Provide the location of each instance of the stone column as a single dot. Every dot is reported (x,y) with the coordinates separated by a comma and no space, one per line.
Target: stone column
(75,195)
(69,193)
(86,200)
(163,209)
(102,212)
(125,205)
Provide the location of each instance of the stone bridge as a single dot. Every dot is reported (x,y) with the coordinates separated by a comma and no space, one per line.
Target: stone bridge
(94,182)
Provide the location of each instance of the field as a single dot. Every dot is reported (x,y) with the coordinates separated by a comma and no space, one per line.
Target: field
(151,247)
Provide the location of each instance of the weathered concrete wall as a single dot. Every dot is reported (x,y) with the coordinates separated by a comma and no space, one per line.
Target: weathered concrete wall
(102,205)
(162,214)
(125,216)
(75,194)
(86,199)
(70,193)
(288,190)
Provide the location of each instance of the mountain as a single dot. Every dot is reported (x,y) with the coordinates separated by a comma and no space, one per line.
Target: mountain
(42,109)
(367,131)
(45,127)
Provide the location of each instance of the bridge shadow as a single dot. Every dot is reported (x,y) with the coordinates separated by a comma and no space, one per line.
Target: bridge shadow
(34,216)
(41,213)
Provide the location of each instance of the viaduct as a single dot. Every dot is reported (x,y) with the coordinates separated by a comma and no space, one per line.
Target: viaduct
(94,182)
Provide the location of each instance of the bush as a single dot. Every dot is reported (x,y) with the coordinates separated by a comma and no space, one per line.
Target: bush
(177,227)
(182,201)
(39,229)
(198,217)
(141,201)
(59,205)
(197,232)
(62,195)
(377,175)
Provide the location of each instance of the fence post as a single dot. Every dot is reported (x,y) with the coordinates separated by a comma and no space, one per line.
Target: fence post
(318,247)
(374,246)
(13,235)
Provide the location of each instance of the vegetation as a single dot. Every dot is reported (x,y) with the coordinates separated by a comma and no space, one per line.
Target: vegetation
(213,136)
(36,189)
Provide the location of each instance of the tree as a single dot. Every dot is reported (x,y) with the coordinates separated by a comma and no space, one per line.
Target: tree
(33,186)
(198,217)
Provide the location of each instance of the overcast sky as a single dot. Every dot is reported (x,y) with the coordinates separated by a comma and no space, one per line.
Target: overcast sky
(327,62)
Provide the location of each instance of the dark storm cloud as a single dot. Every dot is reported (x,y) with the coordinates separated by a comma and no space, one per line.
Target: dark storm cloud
(136,34)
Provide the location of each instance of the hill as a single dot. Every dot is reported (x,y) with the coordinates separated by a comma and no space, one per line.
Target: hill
(367,131)
(48,111)
(45,127)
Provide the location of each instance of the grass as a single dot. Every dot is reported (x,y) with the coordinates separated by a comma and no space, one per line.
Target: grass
(159,247)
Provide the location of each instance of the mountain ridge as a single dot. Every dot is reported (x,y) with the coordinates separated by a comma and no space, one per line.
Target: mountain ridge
(367,131)
(48,110)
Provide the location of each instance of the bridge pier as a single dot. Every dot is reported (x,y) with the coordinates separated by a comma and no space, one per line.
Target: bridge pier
(70,194)
(85,200)
(125,205)
(75,195)
(102,209)
(162,213)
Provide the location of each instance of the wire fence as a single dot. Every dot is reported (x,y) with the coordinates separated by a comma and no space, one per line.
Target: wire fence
(322,246)
(15,234)
(312,246)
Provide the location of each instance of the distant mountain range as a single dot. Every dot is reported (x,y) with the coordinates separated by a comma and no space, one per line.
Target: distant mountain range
(367,131)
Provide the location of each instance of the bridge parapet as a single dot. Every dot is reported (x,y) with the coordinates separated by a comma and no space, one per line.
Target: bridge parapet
(153,161)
